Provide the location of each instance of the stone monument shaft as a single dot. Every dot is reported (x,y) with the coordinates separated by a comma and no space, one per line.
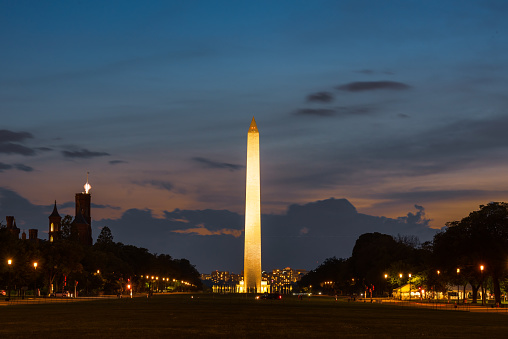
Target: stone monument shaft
(252,252)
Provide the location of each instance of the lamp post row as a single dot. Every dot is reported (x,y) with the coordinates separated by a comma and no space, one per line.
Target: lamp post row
(9,263)
(482,267)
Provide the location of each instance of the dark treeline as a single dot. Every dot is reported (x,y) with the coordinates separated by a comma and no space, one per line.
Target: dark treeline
(106,267)
(471,251)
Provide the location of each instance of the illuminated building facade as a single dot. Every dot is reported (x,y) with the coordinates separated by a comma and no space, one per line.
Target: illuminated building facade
(83,219)
(283,280)
(252,250)
(224,282)
(55,224)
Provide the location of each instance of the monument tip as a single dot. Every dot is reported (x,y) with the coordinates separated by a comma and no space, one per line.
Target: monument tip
(253,127)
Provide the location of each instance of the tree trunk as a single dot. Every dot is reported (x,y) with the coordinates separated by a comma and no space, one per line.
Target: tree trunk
(475,293)
(497,289)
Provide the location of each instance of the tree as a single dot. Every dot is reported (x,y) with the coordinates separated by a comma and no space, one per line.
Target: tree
(105,237)
(481,238)
(66,227)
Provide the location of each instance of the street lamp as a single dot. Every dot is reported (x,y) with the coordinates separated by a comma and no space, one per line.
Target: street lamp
(9,262)
(481,269)
(35,279)
(438,273)
(458,299)
(400,288)
(409,279)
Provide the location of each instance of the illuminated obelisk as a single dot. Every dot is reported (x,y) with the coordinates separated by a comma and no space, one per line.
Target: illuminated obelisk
(252,251)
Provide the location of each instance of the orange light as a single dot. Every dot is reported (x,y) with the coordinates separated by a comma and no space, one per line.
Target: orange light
(9,262)
(481,268)
(458,270)
(128,287)
(35,265)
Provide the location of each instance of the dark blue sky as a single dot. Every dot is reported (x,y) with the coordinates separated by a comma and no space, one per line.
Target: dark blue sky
(387,104)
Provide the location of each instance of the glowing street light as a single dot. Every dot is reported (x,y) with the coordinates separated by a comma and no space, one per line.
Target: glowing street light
(481,269)
(438,273)
(9,262)
(35,279)
(458,271)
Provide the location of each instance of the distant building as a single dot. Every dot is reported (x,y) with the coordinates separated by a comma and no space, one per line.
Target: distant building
(279,280)
(11,226)
(14,230)
(82,221)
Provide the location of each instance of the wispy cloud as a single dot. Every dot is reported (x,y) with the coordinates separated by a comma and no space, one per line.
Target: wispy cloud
(9,142)
(4,167)
(160,184)
(84,154)
(359,86)
(203,231)
(207,163)
(336,111)
(320,97)
(371,71)
(10,148)
(23,168)
(319,112)
(117,162)
(10,136)
(105,206)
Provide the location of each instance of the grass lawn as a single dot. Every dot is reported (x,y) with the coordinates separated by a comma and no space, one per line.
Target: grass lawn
(239,316)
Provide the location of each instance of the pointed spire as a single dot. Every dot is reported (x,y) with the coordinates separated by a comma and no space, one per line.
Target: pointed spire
(87,185)
(253,127)
(55,212)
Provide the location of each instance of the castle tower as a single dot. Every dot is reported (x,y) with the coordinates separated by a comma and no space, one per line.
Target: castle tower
(11,226)
(55,224)
(252,250)
(83,219)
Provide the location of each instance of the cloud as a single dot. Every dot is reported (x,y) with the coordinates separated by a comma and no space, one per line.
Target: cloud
(105,206)
(44,149)
(10,136)
(4,167)
(370,71)
(320,97)
(9,140)
(10,148)
(213,239)
(84,154)
(203,231)
(337,111)
(116,162)
(160,184)
(207,163)
(180,220)
(415,218)
(24,168)
(319,112)
(359,86)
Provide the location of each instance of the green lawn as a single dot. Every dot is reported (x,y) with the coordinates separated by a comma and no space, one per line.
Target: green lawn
(239,316)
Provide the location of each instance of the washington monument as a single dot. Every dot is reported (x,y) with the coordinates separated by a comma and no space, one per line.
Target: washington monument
(252,253)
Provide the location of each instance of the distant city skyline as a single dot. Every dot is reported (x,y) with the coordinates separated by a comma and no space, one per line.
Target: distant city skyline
(398,107)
